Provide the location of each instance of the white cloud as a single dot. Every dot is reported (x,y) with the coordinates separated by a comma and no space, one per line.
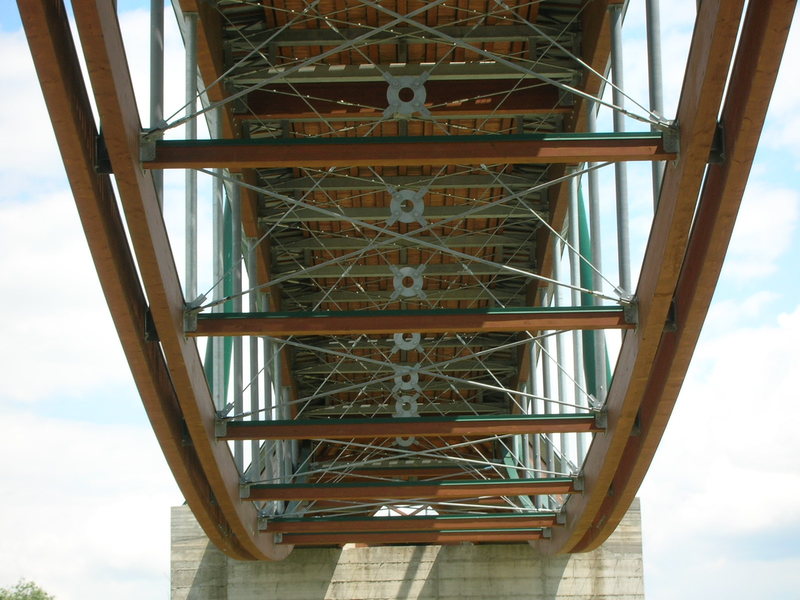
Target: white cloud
(87,507)
(723,489)
(764,230)
(59,332)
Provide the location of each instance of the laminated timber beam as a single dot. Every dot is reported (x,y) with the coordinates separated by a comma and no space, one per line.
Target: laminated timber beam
(563,148)
(529,520)
(360,100)
(417,321)
(405,427)
(563,69)
(762,41)
(339,181)
(55,58)
(113,90)
(707,67)
(493,536)
(409,489)
(341,242)
(432,213)
(409,35)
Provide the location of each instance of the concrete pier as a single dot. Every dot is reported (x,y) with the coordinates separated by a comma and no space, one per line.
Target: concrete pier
(460,572)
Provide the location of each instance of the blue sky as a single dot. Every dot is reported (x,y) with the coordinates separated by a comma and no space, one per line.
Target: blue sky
(721,503)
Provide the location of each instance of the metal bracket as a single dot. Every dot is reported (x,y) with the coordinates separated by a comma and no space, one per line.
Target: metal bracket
(579,484)
(671,322)
(407,206)
(401,274)
(406,378)
(150,332)
(147,147)
(244,491)
(716,154)
(406,406)
(401,342)
(102,162)
(671,137)
(190,313)
(277,538)
(561,517)
(601,419)
(630,312)
(547,533)
(403,109)
(220,428)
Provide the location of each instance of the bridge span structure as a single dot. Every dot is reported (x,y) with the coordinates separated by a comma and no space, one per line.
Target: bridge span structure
(407,310)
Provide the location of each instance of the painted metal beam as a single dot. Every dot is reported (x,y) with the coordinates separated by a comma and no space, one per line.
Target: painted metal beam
(526,520)
(516,210)
(339,181)
(560,148)
(454,71)
(383,271)
(338,297)
(329,37)
(341,242)
(417,321)
(408,489)
(405,427)
(365,100)
(356,367)
(414,537)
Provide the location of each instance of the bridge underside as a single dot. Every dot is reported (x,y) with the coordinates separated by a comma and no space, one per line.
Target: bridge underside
(394,324)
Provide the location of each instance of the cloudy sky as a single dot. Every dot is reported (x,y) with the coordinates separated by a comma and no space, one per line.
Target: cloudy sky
(80,468)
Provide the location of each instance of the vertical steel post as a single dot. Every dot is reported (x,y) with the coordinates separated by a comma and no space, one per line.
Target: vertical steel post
(656,85)
(217,262)
(255,454)
(595,229)
(191,175)
(575,280)
(157,81)
(533,387)
(620,168)
(238,365)
(561,352)
(277,397)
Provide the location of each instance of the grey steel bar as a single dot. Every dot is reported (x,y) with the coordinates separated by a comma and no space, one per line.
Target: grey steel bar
(595,232)
(533,389)
(191,175)
(558,274)
(157,81)
(573,236)
(620,168)
(654,70)
(218,224)
(236,268)
(255,454)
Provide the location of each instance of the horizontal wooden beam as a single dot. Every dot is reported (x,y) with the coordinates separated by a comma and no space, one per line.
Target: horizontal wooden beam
(503,32)
(411,523)
(338,181)
(408,489)
(473,211)
(360,100)
(408,151)
(563,69)
(405,427)
(416,321)
(341,242)
(412,537)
